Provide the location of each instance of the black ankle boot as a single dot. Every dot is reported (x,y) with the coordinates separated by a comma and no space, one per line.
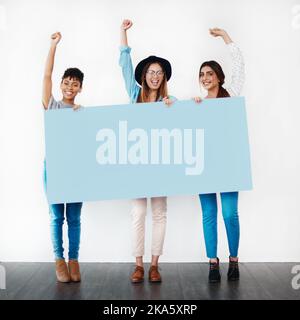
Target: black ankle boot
(233,273)
(214,272)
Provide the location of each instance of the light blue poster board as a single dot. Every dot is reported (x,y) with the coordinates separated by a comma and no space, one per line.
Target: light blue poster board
(146,150)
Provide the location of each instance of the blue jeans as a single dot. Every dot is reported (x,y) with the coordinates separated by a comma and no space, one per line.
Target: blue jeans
(57,217)
(230,215)
(73,211)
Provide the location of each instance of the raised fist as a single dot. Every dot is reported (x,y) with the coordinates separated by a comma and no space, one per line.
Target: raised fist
(55,37)
(126,24)
(217,32)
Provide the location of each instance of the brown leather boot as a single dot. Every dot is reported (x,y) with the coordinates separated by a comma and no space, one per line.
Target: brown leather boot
(74,271)
(154,275)
(138,275)
(62,273)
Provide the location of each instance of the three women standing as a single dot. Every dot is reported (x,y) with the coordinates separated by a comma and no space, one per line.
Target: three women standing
(148,83)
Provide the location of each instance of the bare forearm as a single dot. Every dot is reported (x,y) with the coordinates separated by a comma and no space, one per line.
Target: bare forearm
(50,61)
(226,38)
(123,38)
(47,81)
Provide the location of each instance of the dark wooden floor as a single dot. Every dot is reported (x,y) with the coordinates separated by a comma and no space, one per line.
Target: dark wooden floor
(181,281)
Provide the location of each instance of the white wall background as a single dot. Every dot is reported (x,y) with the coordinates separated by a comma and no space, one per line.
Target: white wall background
(266,31)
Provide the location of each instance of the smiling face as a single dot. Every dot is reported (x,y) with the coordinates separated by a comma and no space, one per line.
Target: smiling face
(208,78)
(70,87)
(154,76)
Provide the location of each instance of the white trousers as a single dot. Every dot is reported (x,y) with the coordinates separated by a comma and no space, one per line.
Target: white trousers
(159,220)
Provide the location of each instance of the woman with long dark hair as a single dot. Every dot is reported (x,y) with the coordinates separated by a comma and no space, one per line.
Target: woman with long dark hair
(147,84)
(212,77)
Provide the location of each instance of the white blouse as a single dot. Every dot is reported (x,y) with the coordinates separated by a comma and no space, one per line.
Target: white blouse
(238,70)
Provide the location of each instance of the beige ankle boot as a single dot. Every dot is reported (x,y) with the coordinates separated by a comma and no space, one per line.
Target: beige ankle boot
(62,273)
(74,271)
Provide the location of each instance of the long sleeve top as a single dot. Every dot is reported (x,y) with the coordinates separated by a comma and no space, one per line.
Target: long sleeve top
(238,70)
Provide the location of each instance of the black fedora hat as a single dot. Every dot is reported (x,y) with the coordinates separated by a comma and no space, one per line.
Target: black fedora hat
(152,59)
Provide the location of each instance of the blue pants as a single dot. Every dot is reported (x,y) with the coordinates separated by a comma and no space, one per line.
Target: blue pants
(230,215)
(57,217)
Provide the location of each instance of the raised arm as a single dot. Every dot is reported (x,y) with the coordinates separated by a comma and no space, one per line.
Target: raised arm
(47,80)
(125,62)
(126,24)
(217,32)
(238,64)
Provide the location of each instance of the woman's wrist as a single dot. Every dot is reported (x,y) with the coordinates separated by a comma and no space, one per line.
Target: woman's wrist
(226,38)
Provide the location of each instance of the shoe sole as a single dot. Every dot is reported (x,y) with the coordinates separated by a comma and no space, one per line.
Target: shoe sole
(234,279)
(214,281)
(137,281)
(64,281)
(154,281)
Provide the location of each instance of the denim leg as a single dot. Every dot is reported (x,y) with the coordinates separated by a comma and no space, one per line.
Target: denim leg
(56,228)
(209,219)
(45,177)
(231,219)
(73,212)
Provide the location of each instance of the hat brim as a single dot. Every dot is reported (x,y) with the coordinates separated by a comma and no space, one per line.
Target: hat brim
(152,59)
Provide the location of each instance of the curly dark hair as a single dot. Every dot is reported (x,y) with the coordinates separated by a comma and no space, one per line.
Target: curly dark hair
(73,73)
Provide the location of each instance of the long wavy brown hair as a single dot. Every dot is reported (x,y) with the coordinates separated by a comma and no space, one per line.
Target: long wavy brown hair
(145,90)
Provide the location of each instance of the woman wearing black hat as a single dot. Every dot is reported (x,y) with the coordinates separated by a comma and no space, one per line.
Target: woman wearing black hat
(147,84)
(211,77)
